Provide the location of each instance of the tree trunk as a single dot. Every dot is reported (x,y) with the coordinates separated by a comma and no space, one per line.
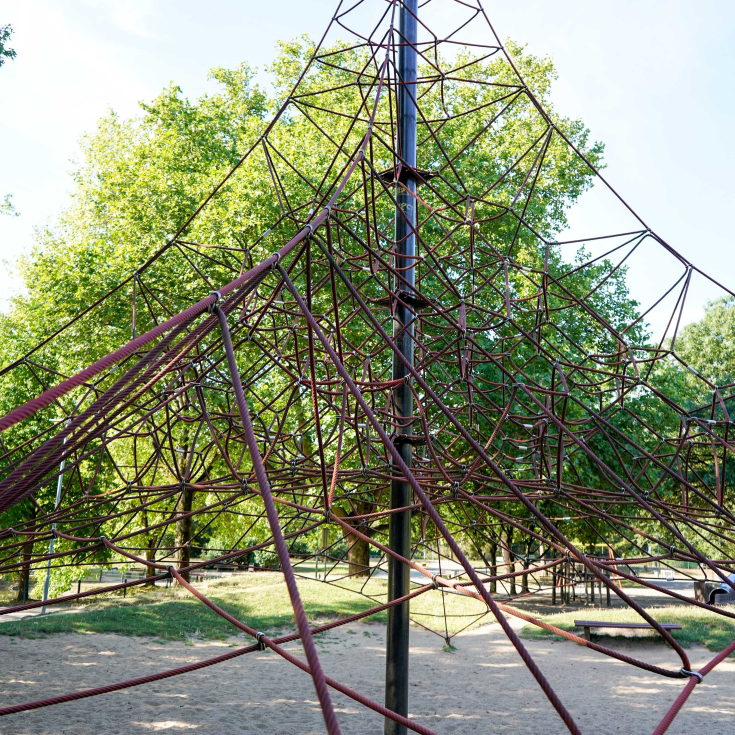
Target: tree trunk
(150,552)
(183,529)
(493,566)
(358,556)
(507,557)
(150,555)
(185,500)
(526,563)
(358,550)
(24,575)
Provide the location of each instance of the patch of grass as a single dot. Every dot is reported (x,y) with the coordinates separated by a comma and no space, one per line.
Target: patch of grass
(175,619)
(698,626)
(462,612)
(259,600)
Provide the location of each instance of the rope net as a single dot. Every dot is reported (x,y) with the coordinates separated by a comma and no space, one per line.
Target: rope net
(544,421)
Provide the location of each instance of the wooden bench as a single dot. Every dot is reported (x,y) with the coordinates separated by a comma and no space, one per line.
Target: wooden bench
(588,624)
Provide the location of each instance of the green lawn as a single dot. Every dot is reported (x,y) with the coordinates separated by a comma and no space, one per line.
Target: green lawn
(259,600)
(698,625)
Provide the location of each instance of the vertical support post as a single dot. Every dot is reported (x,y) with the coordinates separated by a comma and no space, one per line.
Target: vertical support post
(59,486)
(396,664)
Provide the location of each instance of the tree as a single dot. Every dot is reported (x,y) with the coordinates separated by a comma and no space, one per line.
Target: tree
(708,345)
(7,208)
(140,179)
(6,53)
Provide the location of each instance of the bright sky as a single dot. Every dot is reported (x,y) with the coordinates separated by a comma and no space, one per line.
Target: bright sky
(652,79)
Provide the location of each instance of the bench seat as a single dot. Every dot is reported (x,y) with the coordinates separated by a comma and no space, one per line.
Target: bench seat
(588,624)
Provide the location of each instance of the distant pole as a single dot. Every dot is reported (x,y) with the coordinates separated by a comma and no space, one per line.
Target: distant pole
(396,669)
(59,485)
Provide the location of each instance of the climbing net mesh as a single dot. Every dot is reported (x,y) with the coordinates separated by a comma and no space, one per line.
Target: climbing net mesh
(542,422)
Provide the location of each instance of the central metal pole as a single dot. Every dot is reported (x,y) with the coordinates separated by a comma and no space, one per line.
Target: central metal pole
(396,665)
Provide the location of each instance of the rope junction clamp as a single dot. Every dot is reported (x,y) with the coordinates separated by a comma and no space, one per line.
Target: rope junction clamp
(686,672)
(212,307)
(259,638)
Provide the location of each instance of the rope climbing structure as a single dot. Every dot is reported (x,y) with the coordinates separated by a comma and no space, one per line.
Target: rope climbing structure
(404,324)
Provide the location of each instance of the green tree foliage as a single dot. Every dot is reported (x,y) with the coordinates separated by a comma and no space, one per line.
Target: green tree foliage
(7,207)
(708,345)
(6,53)
(139,180)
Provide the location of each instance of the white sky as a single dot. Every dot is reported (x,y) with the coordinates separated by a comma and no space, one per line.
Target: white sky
(652,79)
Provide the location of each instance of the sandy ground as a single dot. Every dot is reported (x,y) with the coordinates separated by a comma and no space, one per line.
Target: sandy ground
(482,687)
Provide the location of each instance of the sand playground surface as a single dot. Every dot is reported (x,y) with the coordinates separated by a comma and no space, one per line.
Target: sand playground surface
(482,687)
